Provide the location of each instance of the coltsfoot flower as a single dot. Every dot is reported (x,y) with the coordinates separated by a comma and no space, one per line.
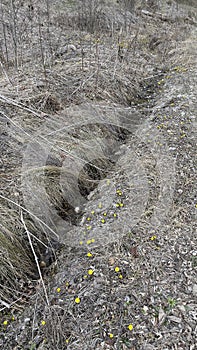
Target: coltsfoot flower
(77,300)
(130,327)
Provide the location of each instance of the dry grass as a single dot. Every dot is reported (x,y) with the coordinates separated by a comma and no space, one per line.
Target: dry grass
(99,93)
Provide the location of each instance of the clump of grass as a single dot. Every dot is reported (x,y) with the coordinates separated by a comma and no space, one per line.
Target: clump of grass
(16,262)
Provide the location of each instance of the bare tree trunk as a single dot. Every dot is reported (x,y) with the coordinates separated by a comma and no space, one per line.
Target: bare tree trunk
(14,32)
(4,34)
(41,48)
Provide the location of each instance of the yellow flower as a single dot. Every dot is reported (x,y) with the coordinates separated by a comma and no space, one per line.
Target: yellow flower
(121,205)
(111,335)
(5,323)
(13,318)
(130,327)
(117,269)
(43,323)
(89,227)
(117,205)
(90,272)
(89,241)
(104,214)
(153,237)
(92,240)
(58,290)
(103,221)
(120,276)
(67,341)
(89,255)
(88,219)
(100,205)
(115,215)
(81,242)
(77,300)
(92,212)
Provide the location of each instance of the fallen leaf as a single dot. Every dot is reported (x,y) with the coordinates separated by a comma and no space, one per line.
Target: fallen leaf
(134,252)
(111,260)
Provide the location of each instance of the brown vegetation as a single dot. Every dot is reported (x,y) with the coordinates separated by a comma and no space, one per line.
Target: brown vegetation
(95,107)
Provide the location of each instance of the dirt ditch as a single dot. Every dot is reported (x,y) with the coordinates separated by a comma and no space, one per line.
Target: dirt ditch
(98,198)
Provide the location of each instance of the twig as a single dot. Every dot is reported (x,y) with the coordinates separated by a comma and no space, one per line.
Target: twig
(8,306)
(30,213)
(35,257)
(4,71)
(18,104)
(82,84)
(4,303)
(157,15)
